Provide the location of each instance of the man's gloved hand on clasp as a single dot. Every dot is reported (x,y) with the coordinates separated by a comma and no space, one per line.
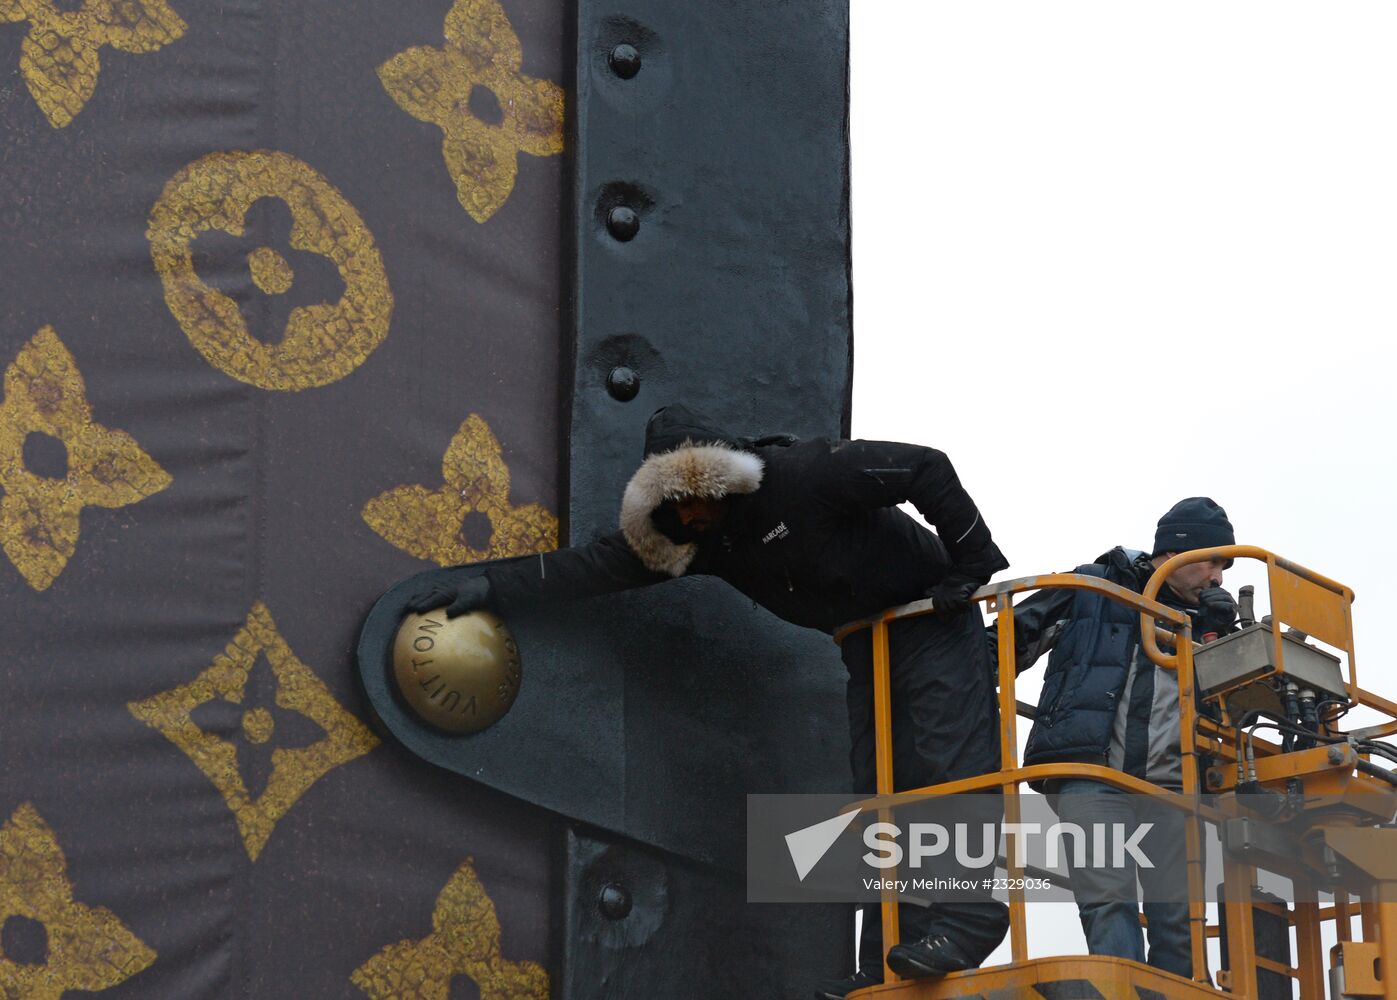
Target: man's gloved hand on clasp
(471,594)
(952,595)
(1216,611)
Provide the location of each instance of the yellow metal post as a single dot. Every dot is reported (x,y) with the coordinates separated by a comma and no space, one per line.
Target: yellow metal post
(1009,762)
(1387,937)
(1241,936)
(1309,948)
(883,743)
(1368,908)
(1188,748)
(1343,915)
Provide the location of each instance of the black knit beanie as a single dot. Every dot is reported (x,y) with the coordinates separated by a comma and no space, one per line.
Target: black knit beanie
(1195,523)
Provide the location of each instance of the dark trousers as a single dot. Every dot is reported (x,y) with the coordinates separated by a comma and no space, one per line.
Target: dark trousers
(945,725)
(1106,897)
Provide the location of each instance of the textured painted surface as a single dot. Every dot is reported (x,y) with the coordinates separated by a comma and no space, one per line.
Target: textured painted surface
(670,704)
(294,769)
(429,523)
(689,933)
(60,55)
(280,263)
(480,64)
(88,947)
(216,242)
(322,343)
(465,941)
(39,515)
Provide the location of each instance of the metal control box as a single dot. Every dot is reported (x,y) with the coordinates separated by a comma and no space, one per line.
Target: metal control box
(1230,663)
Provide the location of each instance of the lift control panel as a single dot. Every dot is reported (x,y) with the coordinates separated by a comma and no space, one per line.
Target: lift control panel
(1246,670)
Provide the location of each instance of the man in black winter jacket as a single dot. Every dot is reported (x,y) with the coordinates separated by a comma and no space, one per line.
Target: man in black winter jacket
(811,531)
(1104,702)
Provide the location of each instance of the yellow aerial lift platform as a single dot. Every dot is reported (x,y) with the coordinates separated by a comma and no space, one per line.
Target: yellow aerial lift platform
(1333,807)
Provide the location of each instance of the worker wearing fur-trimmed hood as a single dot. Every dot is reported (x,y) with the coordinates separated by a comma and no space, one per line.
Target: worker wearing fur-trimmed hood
(684,461)
(811,531)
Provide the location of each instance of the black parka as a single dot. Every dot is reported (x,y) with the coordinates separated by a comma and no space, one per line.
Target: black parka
(820,542)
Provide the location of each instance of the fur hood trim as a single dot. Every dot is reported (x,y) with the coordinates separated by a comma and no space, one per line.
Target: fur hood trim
(710,471)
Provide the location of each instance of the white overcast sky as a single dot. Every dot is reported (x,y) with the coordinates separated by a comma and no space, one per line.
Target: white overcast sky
(1109,254)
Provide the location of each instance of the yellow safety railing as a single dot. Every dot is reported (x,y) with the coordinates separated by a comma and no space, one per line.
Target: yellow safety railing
(1299,597)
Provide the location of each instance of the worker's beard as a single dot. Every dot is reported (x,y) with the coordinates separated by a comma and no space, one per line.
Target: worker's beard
(666,519)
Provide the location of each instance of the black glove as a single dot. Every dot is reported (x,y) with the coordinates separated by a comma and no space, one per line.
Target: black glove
(472,593)
(952,595)
(1216,611)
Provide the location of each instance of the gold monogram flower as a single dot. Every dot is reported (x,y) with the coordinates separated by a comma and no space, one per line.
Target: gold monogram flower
(294,770)
(321,343)
(431,524)
(59,55)
(44,394)
(489,111)
(465,940)
(89,948)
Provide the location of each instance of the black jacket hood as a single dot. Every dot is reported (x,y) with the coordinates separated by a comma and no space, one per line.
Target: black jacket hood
(677,425)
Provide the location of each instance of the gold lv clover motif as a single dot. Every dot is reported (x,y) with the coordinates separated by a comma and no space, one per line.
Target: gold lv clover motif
(323,342)
(465,940)
(489,111)
(88,947)
(59,55)
(430,524)
(44,394)
(297,689)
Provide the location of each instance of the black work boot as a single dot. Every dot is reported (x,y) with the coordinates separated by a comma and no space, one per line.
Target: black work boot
(838,989)
(931,956)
